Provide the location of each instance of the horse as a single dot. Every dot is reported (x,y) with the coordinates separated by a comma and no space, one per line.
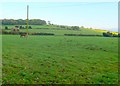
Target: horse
(23,35)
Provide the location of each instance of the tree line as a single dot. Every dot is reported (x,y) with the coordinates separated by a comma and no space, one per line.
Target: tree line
(23,22)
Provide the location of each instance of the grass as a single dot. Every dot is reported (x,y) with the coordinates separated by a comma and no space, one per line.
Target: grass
(62,32)
(59,59)
(54,29)
(0,60)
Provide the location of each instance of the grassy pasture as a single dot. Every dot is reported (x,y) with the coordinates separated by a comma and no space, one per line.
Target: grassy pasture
(59,59)
(62,32)
(53,29)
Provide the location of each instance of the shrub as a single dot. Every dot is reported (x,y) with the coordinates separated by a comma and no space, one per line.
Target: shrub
(6,28)
(17,26)
(42,34)
(114,35)
(108,34)
(3,31)
(30,27)
(21,27)
(62,26)
(75,28)
(22,32)
(81,35)
(118,34)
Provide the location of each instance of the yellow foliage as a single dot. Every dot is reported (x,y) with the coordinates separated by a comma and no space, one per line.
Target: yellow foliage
(99,30)
(116,33)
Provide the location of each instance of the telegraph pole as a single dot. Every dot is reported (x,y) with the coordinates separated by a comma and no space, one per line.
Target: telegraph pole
(27,19)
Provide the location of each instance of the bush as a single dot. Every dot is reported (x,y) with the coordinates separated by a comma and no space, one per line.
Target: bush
(22,33)
(62,26)
(81,35)
(108,34)
(3,31)
(17,26)
(22,27)
(30,27)
(42,34)
(6,32)
(6,28)
(13,33)
(0,31)
(114,35)
(75,28)
(118,34)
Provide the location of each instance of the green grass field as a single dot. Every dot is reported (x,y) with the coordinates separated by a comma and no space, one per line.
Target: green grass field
(59,59)
(62,32)
(53,29)
(0,59)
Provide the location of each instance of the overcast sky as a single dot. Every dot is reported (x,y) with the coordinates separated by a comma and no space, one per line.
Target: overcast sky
(100,15)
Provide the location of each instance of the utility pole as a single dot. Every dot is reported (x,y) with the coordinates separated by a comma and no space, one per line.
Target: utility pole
(27,19)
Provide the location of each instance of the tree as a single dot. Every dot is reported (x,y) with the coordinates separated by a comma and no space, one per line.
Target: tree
(62,26)
(23,22)
(49,23)
(75,27)
(82,27)
(21,27)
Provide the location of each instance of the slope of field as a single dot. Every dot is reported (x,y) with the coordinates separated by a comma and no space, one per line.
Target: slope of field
(56,30)
(62,32)
(59,59)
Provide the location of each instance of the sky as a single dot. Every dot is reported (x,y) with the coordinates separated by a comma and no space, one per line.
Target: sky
(98,15)
(60,0)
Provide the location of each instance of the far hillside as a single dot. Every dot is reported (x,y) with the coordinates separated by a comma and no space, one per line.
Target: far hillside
(41,26)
